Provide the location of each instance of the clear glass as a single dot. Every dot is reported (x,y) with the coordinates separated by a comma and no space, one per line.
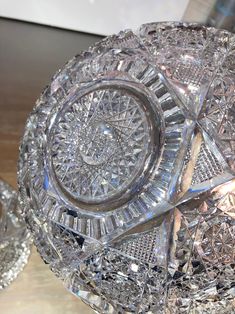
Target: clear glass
(15,240)
(126,171)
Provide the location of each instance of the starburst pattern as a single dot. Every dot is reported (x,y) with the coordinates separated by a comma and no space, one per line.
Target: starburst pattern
(130,154)
(100,143)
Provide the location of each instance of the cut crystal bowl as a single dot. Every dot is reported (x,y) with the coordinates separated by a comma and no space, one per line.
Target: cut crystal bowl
(15,240)
(127,171)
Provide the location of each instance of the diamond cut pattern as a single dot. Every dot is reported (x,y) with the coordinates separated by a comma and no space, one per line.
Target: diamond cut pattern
(187,87)
(107,134)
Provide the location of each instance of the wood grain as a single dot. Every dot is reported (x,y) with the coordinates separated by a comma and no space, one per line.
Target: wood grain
(29,55)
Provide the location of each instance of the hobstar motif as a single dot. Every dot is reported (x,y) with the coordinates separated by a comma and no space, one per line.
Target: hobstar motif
(126,171)
(15,240)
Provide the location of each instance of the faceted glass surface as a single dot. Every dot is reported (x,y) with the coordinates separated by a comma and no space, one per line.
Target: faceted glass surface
(126,171)
(15,240)
(108,134)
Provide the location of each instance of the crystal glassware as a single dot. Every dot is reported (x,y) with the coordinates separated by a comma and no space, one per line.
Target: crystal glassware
(126,171)
(15,240)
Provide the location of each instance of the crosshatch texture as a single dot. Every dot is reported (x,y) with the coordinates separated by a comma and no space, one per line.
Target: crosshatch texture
(126,171)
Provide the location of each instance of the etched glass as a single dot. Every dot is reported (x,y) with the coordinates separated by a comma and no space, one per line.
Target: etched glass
(126,171)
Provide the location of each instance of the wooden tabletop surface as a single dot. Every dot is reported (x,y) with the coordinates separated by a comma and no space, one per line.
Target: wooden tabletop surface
(29,55)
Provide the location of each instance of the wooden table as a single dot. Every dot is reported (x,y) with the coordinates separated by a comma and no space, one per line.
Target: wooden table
(29,55)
